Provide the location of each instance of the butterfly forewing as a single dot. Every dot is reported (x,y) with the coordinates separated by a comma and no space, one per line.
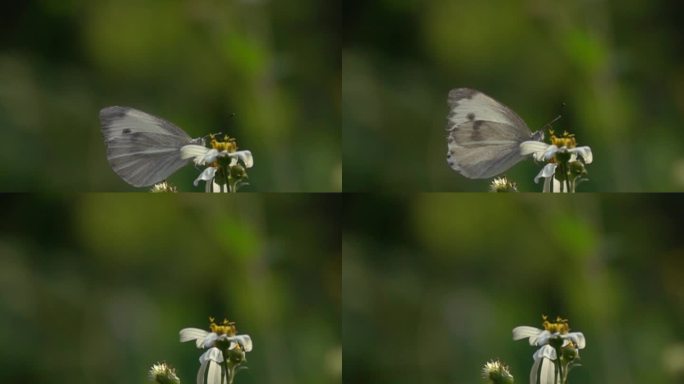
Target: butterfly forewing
(118,121)
(468,105)
(142,149)
(484,135)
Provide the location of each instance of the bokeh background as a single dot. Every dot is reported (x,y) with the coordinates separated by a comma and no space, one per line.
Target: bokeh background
(617,66)
(94,288)
(433,285)
(274,64)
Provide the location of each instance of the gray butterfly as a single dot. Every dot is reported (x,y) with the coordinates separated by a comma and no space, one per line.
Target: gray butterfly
(142,149)
(484,135)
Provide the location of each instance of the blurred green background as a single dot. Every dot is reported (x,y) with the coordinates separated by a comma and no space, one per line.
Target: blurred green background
(618,67)
(275,64)
(433,285)
(94,288)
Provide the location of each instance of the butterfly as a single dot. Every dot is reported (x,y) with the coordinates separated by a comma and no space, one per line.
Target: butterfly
(142,149)
(484,135)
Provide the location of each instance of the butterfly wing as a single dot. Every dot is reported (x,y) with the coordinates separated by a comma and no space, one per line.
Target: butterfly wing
(142,149)
(484,135)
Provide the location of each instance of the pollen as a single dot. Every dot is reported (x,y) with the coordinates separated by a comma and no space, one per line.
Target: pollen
(559,326)
(228,144)
(225,328)
(567,140)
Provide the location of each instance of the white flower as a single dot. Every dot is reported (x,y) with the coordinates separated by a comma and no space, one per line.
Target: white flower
(206,175)
(202,155)
(550,182)
(544,367)
(496,372)
(163,374)
(164,186)
(541,151)
(209,156)
(502,184)
(540,337)
(221,336)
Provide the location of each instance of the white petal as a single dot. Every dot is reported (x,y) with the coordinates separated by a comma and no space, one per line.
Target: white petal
(215,188)
(201,372)
(209,340)
(546,352)
(577,338)
(548,171)
(541,339)
(548,372)
(213,354)
(206,175)
(559,187)
(214,376)
(244,340)
(187,334)
(246,158)
(193,150)
(535,371)
(208,157)
(525,331)
(535,148)
(584,153)
(550,151)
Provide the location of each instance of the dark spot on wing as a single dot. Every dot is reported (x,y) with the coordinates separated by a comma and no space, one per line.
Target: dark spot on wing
(471,116)
(476,136)
(126,130)
(462,93)
(113,113)
(459,94)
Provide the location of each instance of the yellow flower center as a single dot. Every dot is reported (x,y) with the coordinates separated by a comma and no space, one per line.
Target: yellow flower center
(567,140)
(560,326)
(228,144)
(225,328)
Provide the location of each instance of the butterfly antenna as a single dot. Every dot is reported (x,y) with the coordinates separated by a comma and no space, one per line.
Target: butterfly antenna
(549,125)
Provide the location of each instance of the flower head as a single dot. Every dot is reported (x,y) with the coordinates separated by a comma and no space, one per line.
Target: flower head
(502,184)
(566,161)
(163,187)
(163,374)
(226,166)
(556,343)
(497,373)
(225,350)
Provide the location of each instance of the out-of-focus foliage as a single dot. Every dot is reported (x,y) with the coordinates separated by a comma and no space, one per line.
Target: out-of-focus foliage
(95,288)
(274,64)
(617,66)
(433,285)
